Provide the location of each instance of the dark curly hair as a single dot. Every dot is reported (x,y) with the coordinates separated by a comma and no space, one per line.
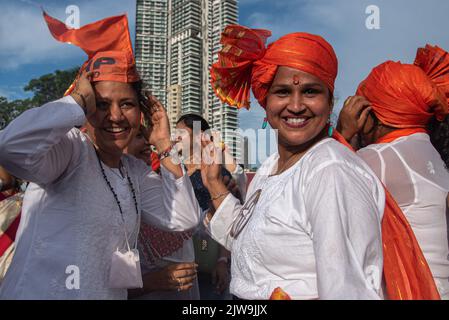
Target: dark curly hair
(439,136)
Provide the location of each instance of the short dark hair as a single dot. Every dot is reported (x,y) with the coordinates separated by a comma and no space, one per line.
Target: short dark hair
(190,118)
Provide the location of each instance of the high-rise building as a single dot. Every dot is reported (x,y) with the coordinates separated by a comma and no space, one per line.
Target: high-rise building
(176,43)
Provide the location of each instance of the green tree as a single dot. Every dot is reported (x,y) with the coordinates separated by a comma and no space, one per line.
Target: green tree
(9,110)
(46,88)
(51,86)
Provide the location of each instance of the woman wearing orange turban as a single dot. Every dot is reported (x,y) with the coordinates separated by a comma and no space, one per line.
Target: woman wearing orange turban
(400,113)
(311,224)
(82,210)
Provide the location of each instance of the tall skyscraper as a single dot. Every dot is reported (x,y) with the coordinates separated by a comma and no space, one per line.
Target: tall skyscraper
(176,43)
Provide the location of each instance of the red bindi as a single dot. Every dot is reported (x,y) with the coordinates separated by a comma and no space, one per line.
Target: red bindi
(295,80)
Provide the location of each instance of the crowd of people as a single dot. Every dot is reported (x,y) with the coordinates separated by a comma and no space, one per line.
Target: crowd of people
(96,182)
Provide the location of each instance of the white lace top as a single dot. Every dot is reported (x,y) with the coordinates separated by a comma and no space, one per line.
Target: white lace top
(315,231)
(70,220)
(412,170)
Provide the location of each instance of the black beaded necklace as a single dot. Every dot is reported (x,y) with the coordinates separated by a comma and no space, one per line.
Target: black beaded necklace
(112,189)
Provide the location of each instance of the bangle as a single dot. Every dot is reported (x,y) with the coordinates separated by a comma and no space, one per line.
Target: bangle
(164,154)
(84,106)
(220,196)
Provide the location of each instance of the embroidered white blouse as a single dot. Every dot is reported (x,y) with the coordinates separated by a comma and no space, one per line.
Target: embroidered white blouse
(414,173)
(70,223)
(315,231)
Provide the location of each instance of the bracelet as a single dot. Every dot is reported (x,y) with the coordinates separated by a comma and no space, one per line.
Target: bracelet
(84,106)
(164,154)
(220,196)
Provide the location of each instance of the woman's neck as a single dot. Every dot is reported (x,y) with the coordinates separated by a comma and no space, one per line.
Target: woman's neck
(289,155)
(111,160)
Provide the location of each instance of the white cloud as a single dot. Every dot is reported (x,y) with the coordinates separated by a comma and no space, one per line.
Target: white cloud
(405,26)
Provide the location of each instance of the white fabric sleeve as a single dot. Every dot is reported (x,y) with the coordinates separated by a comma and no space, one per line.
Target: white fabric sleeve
(345,221)
(169,203)
(35,146)
(240,177)
(220,225)
(374,160)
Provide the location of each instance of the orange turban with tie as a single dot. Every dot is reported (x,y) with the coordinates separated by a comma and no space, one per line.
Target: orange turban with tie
(107,44)
(408,96)
(245,63)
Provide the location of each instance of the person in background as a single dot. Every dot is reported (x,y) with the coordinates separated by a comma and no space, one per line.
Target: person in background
(11,197)
(400,115)
(213,259)
(167,258)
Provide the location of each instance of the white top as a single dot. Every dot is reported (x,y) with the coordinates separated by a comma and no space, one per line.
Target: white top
(315,231)
(414,173)
(70,217)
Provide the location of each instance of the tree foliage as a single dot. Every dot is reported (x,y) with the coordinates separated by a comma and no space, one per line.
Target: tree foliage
(46,88)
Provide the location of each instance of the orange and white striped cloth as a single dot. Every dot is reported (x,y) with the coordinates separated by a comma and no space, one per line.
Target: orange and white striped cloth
(10,208)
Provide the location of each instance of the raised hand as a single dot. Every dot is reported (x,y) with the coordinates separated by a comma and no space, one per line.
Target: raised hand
(353,116)
(160,131)
(84,93)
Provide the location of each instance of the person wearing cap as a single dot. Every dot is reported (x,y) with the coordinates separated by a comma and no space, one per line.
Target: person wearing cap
(311,224)
(82,210)
(399,114)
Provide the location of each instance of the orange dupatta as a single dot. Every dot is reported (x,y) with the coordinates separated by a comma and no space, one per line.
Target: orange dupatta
(406,272)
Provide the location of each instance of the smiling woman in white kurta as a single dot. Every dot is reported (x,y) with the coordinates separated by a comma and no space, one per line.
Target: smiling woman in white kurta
(69,216)
(311,223)
(315,231)
(86,198)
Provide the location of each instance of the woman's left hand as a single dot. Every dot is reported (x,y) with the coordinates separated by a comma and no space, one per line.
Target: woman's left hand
(160,131)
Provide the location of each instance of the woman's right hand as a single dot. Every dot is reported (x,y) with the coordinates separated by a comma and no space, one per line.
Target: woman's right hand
(84,89)
(174,277)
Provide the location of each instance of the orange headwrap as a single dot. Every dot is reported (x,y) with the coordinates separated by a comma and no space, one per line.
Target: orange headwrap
(407,96)
(245,63)
(107,44)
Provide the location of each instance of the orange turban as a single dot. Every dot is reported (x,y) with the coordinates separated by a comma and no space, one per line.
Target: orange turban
(107,44)
(407,96)
(245,63)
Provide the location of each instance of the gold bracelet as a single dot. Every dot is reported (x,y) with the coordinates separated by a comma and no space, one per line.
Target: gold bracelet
(220,196)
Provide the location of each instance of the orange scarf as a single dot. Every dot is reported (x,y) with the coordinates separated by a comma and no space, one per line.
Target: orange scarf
(390,137)
(245,63)
(406,272)
(408,96)
(107,44)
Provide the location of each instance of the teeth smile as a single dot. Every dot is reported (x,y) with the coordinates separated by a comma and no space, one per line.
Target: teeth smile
(115,130)
(295,120)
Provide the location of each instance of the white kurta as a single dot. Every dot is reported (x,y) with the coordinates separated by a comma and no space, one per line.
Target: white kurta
(315,231)
(70,217)
(414,173)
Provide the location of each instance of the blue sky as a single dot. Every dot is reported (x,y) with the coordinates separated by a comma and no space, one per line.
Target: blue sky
(27,50)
